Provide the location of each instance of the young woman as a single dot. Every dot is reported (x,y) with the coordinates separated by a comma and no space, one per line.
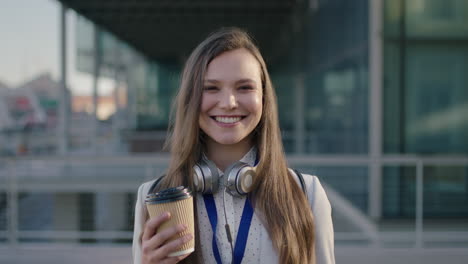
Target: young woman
(226,112)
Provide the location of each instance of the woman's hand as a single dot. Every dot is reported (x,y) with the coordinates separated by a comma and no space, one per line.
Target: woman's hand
(155,248)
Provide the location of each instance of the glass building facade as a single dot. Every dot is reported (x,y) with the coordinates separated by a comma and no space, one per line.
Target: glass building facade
(425,102)
(120,106)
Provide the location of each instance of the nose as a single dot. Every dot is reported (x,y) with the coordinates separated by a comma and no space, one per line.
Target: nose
(228,100)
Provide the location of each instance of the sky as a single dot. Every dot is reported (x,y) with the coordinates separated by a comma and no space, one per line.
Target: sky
(29,45)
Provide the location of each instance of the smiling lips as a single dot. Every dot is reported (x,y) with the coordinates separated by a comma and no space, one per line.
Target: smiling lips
(227,119)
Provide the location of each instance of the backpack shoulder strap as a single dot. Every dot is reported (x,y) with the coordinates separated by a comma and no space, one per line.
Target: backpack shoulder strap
(301,180)
(155,184)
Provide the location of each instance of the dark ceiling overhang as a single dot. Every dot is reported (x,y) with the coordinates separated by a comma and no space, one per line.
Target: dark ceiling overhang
(170,29)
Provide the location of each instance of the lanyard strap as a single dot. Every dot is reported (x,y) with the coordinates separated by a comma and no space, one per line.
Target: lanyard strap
(211,207)
(242,234)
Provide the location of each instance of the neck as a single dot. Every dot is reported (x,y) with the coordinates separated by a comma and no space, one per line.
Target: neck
(225,155)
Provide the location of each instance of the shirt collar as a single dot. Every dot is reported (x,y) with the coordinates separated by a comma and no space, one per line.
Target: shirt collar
(249,158)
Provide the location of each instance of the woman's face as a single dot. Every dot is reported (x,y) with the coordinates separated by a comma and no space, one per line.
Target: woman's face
(231,104)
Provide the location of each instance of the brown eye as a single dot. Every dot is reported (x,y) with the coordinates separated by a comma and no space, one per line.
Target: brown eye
(246,87)
(210,88)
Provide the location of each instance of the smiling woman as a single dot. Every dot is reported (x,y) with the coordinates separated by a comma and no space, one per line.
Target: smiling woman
(231,105)
(226,145)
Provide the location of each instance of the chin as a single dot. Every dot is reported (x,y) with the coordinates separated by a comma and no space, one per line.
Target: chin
(228,141)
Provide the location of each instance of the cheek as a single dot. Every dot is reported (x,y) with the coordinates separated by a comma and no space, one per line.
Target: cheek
(256,105)
(206,104)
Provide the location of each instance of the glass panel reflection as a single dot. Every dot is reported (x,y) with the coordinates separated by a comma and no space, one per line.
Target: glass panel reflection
(3,211)
(76,211)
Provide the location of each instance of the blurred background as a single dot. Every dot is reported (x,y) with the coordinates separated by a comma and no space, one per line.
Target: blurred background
(372,94)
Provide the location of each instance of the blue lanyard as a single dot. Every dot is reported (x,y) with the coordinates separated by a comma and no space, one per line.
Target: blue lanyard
(242,234)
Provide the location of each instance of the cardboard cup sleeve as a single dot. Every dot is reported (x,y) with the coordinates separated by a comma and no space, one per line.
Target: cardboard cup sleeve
(181,209)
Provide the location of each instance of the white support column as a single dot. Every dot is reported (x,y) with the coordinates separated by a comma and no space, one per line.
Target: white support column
(110,211)
(132,100)
(116,118)
(12,203)
(64,113)
(97,66)
(375,107)
(116,124)
(419,217)
(66,213)
(299,122)
(130,110)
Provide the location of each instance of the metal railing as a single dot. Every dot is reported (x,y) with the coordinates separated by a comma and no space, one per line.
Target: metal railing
(24,175)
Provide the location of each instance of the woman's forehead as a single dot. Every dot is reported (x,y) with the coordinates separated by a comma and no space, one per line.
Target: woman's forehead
(235,65)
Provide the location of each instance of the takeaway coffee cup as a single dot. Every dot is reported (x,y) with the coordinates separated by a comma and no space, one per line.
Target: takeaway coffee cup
(178,202)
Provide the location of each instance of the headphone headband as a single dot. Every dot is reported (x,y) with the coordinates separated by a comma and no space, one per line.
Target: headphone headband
(205,177)
(238,177)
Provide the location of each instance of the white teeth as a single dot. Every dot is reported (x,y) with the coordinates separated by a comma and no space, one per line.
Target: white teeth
(227,120)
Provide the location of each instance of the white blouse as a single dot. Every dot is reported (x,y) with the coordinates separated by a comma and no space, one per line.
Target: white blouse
(259,248)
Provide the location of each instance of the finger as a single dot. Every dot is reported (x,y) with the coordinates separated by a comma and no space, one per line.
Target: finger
(177,259)
(152,225)
(174,245)
(161,237)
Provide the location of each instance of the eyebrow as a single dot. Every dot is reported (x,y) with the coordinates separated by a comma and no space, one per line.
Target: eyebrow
(246,80)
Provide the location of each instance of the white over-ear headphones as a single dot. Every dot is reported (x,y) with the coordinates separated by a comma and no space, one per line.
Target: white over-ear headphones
(238,178)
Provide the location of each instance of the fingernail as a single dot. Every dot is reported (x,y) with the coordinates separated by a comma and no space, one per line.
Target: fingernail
(167,214)
(188,237)
(182,227)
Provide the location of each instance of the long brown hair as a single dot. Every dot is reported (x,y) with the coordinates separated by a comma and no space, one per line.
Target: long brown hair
(277,198)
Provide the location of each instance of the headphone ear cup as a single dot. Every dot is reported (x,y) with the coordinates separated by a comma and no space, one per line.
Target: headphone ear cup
(198,179)
(245,179)
(239,178)
(205,177)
